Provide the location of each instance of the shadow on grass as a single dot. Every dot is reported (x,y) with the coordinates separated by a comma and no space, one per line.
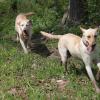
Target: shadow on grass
(38,47)
(41,49)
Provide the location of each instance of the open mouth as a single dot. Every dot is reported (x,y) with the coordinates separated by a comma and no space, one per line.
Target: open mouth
(25,34)
(89,48)
(93,47)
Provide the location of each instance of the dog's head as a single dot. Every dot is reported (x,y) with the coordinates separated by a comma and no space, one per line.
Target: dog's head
(89,38)
(25,25)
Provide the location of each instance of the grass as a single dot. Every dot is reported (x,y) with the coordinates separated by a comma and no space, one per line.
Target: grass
(33,76)
(30,76)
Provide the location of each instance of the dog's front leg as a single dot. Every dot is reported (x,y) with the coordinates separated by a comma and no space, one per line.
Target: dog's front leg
(98,64)
(96,61)
(29,41)
(98,73)
(88,63)
(91,76)
(17,39)
(23,46)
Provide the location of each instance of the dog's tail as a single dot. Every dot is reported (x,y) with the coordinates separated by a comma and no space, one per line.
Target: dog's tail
(29,14)
(50,35)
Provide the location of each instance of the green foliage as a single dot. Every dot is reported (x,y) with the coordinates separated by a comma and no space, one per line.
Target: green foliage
(45,20)
(94,11)
(47,13)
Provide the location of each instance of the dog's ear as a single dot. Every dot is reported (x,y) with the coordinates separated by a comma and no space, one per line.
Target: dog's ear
(82,29)
(30,22)
(96,29)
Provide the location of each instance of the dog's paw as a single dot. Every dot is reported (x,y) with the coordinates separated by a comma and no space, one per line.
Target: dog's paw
(26,52)
(97,90)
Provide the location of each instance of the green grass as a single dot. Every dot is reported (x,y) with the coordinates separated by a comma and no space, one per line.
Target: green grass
(33,74)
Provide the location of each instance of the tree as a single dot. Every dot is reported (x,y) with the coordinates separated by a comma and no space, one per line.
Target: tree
(14,5)
(76,12)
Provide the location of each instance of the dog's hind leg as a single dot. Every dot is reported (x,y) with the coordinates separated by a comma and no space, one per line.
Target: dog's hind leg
(29,38)
(63,55)
(29,41)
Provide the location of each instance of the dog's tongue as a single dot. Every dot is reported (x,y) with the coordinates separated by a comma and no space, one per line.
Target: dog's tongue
(89,49)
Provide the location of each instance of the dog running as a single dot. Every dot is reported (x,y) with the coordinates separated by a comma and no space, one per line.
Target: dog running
(23,27)
(84,47)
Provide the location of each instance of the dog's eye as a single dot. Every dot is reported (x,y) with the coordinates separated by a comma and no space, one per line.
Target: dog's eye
(22,25)
(95,36)
(88,37)
(27,24)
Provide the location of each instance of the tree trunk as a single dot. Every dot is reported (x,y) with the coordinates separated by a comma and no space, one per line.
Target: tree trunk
(76,12)
(14,5)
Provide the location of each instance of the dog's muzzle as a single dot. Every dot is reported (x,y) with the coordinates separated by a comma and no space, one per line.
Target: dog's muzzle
(25,35)
(93,47)
(89,48)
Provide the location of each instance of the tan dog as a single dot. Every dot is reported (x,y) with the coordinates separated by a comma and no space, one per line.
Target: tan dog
(23,27)
(84,48)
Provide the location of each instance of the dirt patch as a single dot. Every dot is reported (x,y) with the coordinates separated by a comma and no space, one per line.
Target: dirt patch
(18,91)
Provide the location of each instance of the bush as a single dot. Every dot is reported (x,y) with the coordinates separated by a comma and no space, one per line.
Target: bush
(94,11)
